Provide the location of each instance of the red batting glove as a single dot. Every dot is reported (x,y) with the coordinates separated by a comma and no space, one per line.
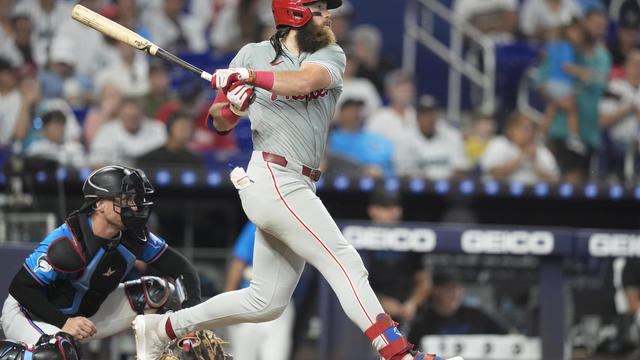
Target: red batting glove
(240,95)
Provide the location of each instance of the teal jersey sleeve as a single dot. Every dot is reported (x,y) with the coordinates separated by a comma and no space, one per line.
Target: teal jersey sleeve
(155,247)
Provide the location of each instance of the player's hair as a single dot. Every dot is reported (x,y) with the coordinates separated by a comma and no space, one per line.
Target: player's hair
(276,39)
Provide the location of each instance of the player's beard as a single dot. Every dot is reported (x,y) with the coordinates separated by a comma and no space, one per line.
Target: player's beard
(312,37)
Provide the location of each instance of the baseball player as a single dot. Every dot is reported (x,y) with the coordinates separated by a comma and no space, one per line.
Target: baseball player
(72,280)
(296,78)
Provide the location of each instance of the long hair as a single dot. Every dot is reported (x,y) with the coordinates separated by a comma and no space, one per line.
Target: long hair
(275,41)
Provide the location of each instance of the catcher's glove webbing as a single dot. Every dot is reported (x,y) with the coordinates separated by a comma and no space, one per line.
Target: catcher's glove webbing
(201,345)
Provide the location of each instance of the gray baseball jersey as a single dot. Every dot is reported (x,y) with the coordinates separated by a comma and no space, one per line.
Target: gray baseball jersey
(295,127)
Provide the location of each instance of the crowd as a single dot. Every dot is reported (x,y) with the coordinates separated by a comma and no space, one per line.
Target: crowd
(70,96)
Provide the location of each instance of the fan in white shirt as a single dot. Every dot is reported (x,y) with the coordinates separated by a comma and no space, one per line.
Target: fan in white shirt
(517,157)
(122,140)
(436,151)
(398,120)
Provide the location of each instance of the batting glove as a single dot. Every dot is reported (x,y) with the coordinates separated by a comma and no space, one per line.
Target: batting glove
(225,78)
(241,96)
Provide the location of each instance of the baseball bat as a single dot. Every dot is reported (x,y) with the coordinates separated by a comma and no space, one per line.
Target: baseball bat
(129,37)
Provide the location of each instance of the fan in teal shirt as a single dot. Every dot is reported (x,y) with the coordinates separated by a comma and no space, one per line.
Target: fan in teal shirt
(351,141)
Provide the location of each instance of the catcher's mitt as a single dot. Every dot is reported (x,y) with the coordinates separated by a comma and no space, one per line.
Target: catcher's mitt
(201,345)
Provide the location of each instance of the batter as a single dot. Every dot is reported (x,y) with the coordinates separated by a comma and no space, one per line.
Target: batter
(296,79)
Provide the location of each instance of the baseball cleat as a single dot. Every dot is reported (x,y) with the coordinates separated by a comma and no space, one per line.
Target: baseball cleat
(151,339)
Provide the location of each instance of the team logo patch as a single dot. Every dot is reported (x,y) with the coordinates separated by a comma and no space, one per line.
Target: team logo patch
(154,241)
(109,272)
(43,264)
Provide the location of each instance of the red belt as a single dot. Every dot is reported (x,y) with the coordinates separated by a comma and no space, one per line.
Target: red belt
(282,161)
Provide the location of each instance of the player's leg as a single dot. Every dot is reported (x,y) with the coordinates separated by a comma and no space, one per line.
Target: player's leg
(277,341)
(245,340)
(114,315)
(276,271)
(301,221)
(18,325)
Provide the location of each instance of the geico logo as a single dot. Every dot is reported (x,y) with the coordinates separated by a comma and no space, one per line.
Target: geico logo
(507,242)
(602,244)
(390,238)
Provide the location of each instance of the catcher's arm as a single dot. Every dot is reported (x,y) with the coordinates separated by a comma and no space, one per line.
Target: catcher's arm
(173,264)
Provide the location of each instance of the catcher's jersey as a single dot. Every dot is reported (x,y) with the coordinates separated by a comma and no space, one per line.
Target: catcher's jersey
(295,127)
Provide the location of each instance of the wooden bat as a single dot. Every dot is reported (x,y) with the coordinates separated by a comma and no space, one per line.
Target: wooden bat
(121,33)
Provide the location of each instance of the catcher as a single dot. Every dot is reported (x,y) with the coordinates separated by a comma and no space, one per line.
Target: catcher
(70,287)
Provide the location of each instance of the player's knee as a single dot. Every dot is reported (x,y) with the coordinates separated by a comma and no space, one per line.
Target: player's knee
(271,313)
(266,307)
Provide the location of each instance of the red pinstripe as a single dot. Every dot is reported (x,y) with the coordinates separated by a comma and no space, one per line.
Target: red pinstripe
(320,241)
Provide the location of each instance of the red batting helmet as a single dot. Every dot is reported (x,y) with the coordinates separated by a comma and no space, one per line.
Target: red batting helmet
(294,13)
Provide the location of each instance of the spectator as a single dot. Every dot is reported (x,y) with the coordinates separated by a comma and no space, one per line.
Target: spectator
(240,22)
(6,7)
(366,45)
(46,16)
(591,72)
(341,23)
(595,19)
(516,156)
(52,146)
(445,314)
(17,103)
(404,289)
(174,152)
(159,92)
(358,88)
(18,46)
(129,72)
(496,18)
(91,51)
(190,98)
(397,120)
(270,340)
(625,42)
(60,80)
(559,85)
(539,17)
(436,151)
(103,112)
(620,114)
(372,151)
(122,140)
(483,129)
(631,285)
(173,30)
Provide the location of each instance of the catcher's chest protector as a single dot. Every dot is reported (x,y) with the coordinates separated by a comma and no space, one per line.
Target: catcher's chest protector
(101,266)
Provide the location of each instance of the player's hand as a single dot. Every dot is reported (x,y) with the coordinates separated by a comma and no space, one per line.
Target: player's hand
(224,79)
(241,96)
(79,327)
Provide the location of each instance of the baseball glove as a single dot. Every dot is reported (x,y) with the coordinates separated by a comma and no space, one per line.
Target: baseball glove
(201,345)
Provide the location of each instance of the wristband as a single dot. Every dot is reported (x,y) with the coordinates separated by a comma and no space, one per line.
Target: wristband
(262,79)
(229,115)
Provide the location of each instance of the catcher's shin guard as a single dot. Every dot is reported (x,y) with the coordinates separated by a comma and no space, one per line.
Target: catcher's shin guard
(152,292)
(397,347)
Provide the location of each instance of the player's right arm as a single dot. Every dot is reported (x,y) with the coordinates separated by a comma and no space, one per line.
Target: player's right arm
(38,273)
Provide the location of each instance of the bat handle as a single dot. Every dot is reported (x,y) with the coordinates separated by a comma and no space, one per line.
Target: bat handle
(205,75)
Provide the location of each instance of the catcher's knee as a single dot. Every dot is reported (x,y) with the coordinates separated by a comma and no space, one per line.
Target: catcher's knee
(60,346)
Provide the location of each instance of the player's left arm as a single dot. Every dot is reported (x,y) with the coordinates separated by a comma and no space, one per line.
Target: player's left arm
(310,77)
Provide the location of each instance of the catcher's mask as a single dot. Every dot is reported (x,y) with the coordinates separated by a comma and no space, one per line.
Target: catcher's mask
(127,187)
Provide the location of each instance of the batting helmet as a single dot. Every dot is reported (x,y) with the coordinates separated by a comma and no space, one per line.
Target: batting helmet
(294,13)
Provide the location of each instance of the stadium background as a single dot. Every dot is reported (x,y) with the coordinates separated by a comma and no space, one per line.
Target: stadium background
(552,294)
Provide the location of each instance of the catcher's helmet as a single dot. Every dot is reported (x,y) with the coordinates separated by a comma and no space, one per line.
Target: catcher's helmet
(294,13)
(128,187)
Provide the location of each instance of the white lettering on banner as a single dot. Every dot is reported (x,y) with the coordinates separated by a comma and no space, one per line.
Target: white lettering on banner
(390,238)
(603,244)
(507,242)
